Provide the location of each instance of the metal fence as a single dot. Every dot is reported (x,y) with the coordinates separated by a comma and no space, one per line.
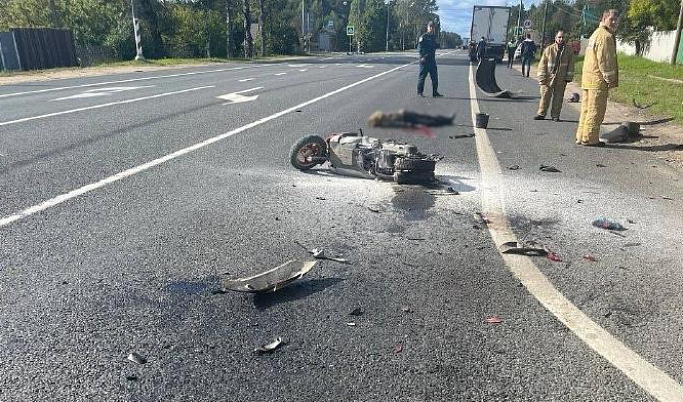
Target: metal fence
(37,48)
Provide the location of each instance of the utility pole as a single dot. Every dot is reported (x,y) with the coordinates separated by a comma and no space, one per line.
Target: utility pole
(519,17)
(677,42)
(228,24)
(136,32)
(387,38)
(545,19)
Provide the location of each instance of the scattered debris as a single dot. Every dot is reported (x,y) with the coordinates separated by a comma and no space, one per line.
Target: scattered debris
(589,258)
(406,309)
(667,198)
(513,167)
(357,312)
(137,358)
(132,377)
(617,233)
(220,291)
(415,238)
(398,348)
(375,210)
(406,118)
(600,165)
(632,244)
(321,198)
(607,223)
(457,136)
(552,256)
(632,222)
(494,319)
(532,249)
(273,279)
(350,324)
(480,219)
(548,168)
(269,347)
(319,254)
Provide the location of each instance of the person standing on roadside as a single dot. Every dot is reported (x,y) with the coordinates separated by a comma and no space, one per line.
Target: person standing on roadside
(511,47)
(600,74)
(555,70)
(426,47)
(528,52)
(481,49)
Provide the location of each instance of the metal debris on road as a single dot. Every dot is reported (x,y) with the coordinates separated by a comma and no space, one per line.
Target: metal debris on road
(513,167)
(600,165)
(548,168)
(269,347)
(607,223)
(319,254)
(137,358)
(273,279)
(531,249)
(321,198)
(375,210)
(357,312)
(494,319)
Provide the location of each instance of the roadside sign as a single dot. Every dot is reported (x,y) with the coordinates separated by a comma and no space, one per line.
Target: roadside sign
(527,24)
(350,30)
(519,30)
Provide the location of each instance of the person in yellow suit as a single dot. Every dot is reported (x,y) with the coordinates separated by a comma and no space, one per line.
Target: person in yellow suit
(555,70)
(600,73)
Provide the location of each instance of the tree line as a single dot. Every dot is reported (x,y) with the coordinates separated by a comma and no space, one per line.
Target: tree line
(228,28)
(639,18)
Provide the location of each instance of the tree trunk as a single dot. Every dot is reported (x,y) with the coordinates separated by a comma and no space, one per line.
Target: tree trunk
(248,40)
(261,24)
(56,23)
(228,26)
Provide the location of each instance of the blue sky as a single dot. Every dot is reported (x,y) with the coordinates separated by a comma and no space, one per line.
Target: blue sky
(456,15)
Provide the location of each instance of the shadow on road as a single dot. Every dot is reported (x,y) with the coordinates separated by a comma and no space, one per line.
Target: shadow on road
(296,291)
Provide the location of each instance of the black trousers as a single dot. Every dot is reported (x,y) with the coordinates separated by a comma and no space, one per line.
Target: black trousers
(427,68)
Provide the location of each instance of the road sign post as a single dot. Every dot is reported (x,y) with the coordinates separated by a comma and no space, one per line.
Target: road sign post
(350,32)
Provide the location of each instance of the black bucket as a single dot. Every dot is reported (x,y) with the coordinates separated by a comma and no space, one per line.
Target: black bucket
(482,120)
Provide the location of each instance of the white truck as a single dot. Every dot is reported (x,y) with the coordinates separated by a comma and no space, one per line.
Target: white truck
(490,22)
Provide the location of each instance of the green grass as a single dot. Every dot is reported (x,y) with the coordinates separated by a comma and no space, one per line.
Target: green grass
(636,83)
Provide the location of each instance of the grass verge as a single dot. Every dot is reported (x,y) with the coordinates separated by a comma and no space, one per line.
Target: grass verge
(637,83)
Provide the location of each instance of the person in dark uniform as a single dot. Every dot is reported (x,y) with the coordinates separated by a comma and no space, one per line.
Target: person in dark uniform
(427,48)
(481,49)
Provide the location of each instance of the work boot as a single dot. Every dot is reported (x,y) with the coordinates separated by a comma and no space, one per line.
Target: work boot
(437,95)
(556,119)
(539,117)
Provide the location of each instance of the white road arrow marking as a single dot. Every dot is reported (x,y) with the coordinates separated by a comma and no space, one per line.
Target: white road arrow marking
(237,97)
(94,93)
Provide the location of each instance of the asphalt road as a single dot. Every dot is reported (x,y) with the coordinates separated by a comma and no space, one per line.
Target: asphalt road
(111,246)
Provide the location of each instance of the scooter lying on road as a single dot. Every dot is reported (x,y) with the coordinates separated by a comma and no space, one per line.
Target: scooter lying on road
(354,154)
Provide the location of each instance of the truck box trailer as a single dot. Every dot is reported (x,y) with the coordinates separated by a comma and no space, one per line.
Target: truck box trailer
(490,22)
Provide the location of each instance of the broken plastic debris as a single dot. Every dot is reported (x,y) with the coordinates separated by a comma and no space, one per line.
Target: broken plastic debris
(350,324)
(137,358)
(319,254)
(532,249)
(273,279)
(494,319)
(513,167)
(607,223)
(357,311)
(552,256)
(589,258)
(269,347)
(548,168)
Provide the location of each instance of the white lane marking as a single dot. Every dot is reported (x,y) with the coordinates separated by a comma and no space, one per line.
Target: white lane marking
(246,79)
(80,109)
(364,66)
(93,93)
(130,172)
(278,74)
(303,70)
(121,81)
(237,97)
(653,380)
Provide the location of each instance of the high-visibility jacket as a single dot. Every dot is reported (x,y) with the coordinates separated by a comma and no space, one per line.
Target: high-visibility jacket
(600,66)
(556,65)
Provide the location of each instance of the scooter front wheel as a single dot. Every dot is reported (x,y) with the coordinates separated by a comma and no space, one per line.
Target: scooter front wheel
(308,152)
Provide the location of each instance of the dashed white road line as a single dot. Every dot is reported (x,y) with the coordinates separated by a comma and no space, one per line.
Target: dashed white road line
(278,74)
(135,170)
(119,82)
(653,380)
(80,109)
(246,79)
(303,70)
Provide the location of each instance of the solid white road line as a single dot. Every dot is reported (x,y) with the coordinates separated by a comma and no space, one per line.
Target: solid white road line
(120,81)
(7,123)
(132,171)
(647,376)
